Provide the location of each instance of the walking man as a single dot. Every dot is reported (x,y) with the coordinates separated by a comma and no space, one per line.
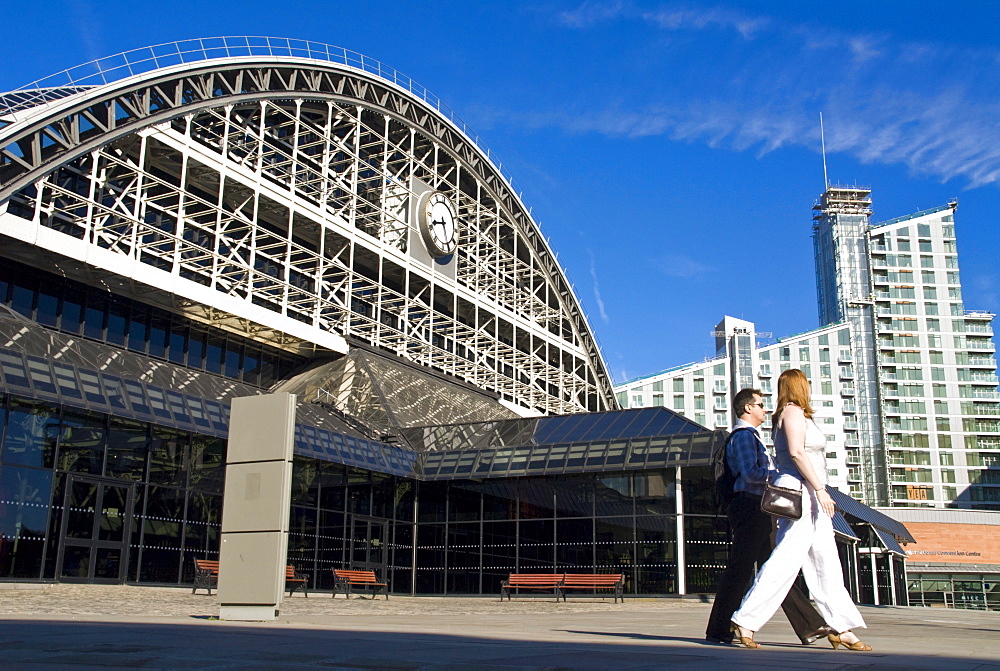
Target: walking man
(751,529)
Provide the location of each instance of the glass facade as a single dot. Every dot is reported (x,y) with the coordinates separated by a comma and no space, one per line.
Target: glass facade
(92,497)
(88,496)
(972,590)
(75,309)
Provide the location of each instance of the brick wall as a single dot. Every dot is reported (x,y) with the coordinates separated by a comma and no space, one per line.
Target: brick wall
(954,543)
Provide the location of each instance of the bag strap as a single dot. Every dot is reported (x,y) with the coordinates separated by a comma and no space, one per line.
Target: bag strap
(725,448)
(768,481)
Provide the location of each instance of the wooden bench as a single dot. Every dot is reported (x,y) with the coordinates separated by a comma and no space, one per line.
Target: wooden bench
(297,580)
(540,581)
(595,581)
(344,581)
(206,576)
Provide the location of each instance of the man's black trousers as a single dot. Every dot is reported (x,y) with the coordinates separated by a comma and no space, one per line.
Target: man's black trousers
(751,546)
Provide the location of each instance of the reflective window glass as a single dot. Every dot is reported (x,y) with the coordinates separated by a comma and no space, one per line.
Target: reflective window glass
(305,481)
(25,494)
(615,544)
(178,344)
(158,336)
(574,496)
(433,501)
(536,497)
(23,297)
(698,485)
(213,355)
(82,442)
(138,329)
(655,492)
(66,381)
(47,311)
(94,315)
(575,545)
(41,375)
(464,501)
(196,350)
(208,463)
(613,495)
(14,371)
(656,547)
(128,444)
(167,452)
(117,323)
(536,543)
(204,523)
(706,551)
(233,360)
(162,534)
(32,429)
(71,314)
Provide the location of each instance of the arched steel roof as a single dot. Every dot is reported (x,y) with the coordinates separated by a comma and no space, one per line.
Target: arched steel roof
(58,119)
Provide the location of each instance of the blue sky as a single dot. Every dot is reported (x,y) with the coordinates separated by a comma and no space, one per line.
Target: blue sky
(669,150)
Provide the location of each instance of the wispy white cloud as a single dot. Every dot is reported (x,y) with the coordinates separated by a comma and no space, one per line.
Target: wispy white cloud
(597,288)
(680,266)
(83,16)
(931,107)
(591,13)
(673,17)
(701,18)
(987,288)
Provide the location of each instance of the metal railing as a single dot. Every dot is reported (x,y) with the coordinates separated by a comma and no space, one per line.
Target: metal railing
(146,59)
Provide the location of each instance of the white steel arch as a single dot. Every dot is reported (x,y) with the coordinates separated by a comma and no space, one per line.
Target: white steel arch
(275,196)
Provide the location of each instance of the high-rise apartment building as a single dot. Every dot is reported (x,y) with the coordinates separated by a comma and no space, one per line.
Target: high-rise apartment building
(936,369)
(903,375)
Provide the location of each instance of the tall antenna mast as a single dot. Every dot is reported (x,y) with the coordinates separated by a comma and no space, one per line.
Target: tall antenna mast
(822,140)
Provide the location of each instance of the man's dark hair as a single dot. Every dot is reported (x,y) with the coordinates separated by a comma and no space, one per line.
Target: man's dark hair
(743,398)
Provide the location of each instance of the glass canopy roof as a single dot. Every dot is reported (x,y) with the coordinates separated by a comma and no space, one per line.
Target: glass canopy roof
(48,365)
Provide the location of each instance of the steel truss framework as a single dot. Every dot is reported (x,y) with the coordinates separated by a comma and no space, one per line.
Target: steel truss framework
(288,186)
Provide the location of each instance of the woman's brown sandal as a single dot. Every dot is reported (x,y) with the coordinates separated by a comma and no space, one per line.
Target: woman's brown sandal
(857,645)
(747,641)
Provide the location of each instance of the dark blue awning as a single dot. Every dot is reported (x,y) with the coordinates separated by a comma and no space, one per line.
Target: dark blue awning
(841,527)
(889,541)
(878,520)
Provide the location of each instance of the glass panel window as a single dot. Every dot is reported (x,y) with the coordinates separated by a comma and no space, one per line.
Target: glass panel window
(138,329)
(71,313)
(82,441)
(118,318)
(128,444)
(26,502)
(48,305)
(32,431)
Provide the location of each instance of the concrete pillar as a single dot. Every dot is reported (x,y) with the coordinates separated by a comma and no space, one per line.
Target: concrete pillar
(255,507)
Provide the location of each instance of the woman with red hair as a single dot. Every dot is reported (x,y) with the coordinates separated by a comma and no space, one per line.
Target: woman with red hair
(805,544)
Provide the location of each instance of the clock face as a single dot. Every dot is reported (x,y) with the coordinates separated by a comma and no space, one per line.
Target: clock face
(438,223)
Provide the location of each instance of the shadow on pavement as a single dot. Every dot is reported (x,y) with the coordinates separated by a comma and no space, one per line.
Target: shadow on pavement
(203,643)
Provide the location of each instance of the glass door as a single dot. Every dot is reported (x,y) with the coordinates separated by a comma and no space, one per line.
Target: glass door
(96,525)
(369,536)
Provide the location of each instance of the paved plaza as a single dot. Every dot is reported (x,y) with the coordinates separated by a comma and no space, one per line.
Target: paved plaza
(92,626)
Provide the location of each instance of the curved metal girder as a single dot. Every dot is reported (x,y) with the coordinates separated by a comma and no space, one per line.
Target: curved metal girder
(42,138)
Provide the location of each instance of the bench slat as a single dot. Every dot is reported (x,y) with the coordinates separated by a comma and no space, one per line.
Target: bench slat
(560,582)
(344,579)
(206,576)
